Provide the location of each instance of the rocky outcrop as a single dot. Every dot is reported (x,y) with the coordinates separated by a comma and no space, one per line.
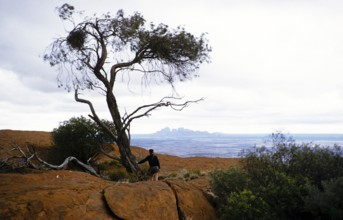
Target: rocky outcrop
(144,200)
(192,203)
(76,195)
(52,195)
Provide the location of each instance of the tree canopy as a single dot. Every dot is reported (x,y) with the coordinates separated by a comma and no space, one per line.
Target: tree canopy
(104,46)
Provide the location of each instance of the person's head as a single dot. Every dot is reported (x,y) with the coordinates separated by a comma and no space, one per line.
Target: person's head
(151,151)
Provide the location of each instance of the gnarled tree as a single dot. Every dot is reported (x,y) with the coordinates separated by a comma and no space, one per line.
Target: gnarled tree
(100,48)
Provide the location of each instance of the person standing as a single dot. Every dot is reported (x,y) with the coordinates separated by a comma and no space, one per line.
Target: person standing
(154,165)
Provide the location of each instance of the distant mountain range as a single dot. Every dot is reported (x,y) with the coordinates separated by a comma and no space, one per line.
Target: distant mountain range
(168,133)
(188,143)
(180,132)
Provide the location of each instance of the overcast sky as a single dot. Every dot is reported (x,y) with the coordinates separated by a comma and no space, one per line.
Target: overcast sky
(276,65)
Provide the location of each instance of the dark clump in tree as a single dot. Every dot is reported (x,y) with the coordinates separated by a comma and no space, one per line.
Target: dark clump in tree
(285,181)
(98,49)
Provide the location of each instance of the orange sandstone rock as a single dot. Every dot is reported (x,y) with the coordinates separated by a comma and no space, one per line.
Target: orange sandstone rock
(143,200)
(76,195)
(192,202)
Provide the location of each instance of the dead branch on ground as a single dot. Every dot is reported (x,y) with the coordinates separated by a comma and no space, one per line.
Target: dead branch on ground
(26,160)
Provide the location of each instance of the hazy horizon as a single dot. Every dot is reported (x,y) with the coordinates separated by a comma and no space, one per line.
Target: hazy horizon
(285,133)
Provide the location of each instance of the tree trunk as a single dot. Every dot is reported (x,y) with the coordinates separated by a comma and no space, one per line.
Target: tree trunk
(127,158)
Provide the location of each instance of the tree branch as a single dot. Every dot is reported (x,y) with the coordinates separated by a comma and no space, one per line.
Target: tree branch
(24,158)
(146,109)
(65,164)
(100,143)
(94,116)
(28,161)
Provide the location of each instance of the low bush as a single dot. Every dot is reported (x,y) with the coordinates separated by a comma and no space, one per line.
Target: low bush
(119,174)
(225,182)
(326,203)
(79,137)
(287,180)
(245,204)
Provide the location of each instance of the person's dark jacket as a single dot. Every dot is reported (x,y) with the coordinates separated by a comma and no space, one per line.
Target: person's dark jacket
(152,159)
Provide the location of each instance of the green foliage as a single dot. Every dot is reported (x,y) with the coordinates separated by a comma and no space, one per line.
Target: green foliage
(104,165)
(226,182)
(115,171)
(245,205)
(303,162)
(281,192)
(79,137)
(290,181)
(118,174)
(90,46)
(326,203)
(144,173)
(65,11)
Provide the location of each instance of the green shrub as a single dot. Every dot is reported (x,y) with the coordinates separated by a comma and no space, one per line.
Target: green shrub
(326,203)
(103,166)
(245,205)
(225,182)
(118,174)
(282,193)
(144,173)
(303,162)
(290,179)
(79,137)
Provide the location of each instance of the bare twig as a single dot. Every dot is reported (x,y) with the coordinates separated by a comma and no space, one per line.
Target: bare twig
(27,160)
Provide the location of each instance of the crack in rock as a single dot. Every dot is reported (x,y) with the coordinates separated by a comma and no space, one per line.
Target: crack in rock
(179,211)
(108,209)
